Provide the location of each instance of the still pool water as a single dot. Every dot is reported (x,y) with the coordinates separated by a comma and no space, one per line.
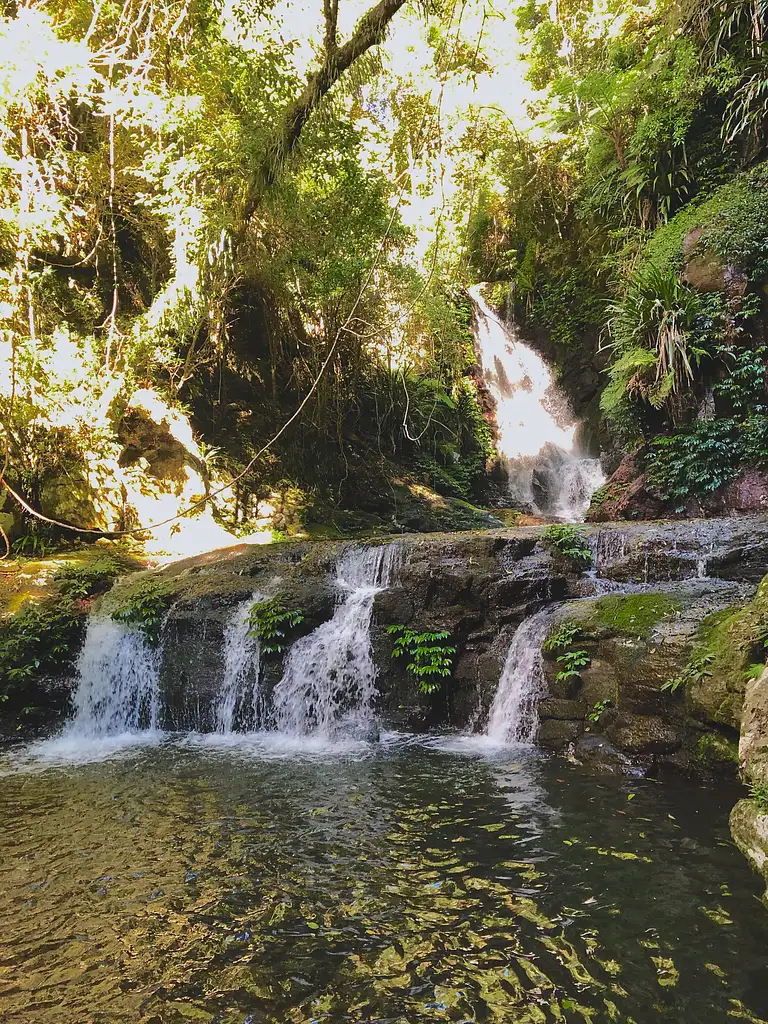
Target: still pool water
(187,881)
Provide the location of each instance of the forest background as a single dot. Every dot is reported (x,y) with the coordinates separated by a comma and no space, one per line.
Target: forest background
(213,212)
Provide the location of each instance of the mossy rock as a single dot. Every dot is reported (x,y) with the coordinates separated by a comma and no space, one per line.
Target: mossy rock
(734,639)
(749,828)
(728,227)
(715,749)
(628,615)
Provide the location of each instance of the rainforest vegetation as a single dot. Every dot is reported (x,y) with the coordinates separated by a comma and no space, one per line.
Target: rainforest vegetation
(219,218)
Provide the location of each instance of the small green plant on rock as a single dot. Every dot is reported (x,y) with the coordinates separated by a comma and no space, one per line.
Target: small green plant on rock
(572,660)
(600,707)
(77,582)
(694,672)
(561,638)
(572,663)
(430,653)
(145,609)
(271,623)
(567,543)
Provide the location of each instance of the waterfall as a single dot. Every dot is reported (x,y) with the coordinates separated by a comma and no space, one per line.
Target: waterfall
(535,425)
(513,717)
(329,679)
(240,701)
(118,682)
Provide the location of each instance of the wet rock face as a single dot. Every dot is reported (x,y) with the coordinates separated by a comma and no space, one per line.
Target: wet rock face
(480,587)
(635,643)
(628,496)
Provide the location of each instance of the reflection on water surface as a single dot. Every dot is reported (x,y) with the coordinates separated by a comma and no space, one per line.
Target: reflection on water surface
(246,882)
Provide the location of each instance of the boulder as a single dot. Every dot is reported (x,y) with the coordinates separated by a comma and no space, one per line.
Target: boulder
(557,734)
(749,828)
(645,734)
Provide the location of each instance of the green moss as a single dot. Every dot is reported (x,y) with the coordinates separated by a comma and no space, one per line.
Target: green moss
(736,638)
(713,748)
(733,222)
(634,614)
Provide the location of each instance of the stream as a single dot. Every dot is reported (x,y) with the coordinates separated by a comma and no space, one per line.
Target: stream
(262,879)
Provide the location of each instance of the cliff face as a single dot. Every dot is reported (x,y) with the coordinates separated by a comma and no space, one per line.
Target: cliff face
(479,588)
(669,627)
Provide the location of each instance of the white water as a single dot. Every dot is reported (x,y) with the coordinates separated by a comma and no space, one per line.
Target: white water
(535,425)
(513,717)
(329,681)
(118,688)
(240,701)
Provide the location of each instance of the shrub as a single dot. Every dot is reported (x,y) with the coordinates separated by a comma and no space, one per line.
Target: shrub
(80,581)
(36,639)
(431,656)
(706,456)
(696,461)
(656,315)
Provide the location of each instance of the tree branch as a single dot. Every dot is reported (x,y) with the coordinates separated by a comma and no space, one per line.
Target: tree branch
(369,32)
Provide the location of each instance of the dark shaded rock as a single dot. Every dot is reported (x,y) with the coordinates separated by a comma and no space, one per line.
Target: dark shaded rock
(556,734)
(596,751)
(644,734)
(557,708)
(625,495)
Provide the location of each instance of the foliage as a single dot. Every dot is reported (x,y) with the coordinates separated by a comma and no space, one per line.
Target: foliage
(431,654)
(598,710)
(706,456)
(572,660)
(657,314)
(572,663)
(31,545)
(82,581)
(272,623)
(161,231)
(567,542)
(145,608)
(562,637)
(37,639)
(694,672)
(758,791)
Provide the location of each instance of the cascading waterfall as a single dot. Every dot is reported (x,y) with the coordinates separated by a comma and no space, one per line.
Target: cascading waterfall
(513,717)
(535,425)
(118,688)
(329,681)
(240,703)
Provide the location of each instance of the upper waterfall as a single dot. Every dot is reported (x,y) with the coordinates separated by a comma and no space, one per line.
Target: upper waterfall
(536,427)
